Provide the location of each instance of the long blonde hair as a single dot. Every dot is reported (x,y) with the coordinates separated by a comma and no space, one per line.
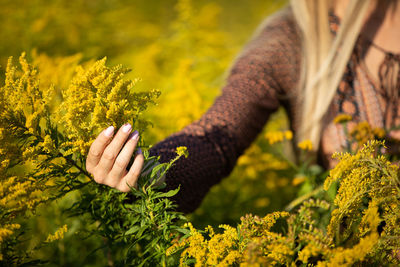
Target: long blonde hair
(324,58)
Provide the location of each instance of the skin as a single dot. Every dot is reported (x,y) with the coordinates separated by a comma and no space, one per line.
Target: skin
(109,155)
(381,26)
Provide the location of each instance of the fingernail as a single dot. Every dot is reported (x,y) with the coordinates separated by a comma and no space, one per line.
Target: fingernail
(139,151)
(109,131)
(134,135)
(126,128)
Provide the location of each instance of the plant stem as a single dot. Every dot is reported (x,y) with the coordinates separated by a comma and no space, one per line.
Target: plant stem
(70,161)
(302,198)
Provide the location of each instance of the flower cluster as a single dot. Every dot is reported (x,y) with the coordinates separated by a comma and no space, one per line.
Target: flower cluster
(219,249)
(278,136)
(182,151)
(47,126)
(342,118)
(96,98)
(43,144)
(59,234)
(364,132)
(368,185)
(24,109)
(305,145)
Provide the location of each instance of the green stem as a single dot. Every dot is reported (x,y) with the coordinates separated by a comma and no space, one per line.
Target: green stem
(302,198)
(73,163)
(291,164)
(70,161)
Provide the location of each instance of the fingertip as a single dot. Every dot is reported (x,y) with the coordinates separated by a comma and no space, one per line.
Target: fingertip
(134,135)
(126,128)
(109,131)
(139,157)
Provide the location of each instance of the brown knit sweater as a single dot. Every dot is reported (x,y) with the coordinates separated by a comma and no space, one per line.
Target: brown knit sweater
(266,70)
(265,76)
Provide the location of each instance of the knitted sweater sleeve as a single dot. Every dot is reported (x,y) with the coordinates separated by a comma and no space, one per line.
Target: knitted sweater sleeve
(221,135)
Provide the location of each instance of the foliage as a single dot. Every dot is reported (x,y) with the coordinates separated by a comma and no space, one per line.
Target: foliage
(183,48)
(50,210)
(43,153)
(149,36)
(368,185)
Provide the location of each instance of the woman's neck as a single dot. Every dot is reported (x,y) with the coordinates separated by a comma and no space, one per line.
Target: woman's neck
(379,7)
(381,27)
(382,22)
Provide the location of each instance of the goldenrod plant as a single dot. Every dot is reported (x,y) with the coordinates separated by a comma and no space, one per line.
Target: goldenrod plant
(357,227)
(184,48)
(43,150)
(51,211)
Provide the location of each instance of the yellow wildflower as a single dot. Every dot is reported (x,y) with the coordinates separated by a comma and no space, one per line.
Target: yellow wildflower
(59,234)
(341,118)
(182,151)
(298,179)
(7,230)
(234,256)
(305,145)
(310,250)
(48,144)
(288,135)
(278,136)
(4,164)
(379,132)
(364,132)
(347,257)
(96,98)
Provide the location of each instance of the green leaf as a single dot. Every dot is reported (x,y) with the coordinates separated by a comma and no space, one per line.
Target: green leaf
(156,170)
(183,231)
(141,231)
(332,191)
(132,230)
(146,153)
(168,194)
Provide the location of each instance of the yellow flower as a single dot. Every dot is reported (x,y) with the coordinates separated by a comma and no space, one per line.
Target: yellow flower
(59,234)
(182,151)
(305,145)
(349,256)
(379,132)
(278,136)
(310,250)
(7,230)
(298,179)
(97,97)
(4,164)
(341,118)
(48,144)
(363,132)
(288,135)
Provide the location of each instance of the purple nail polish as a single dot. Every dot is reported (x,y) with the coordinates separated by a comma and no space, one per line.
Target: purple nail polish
(139,151)
(134,135)
(109,131)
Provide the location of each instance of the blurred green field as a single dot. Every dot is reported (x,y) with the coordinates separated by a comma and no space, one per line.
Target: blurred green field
(183,48)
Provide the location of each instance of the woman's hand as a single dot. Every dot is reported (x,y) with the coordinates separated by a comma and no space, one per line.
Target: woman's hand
(109,157)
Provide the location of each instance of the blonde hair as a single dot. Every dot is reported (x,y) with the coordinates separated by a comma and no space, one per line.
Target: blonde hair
(324,58)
